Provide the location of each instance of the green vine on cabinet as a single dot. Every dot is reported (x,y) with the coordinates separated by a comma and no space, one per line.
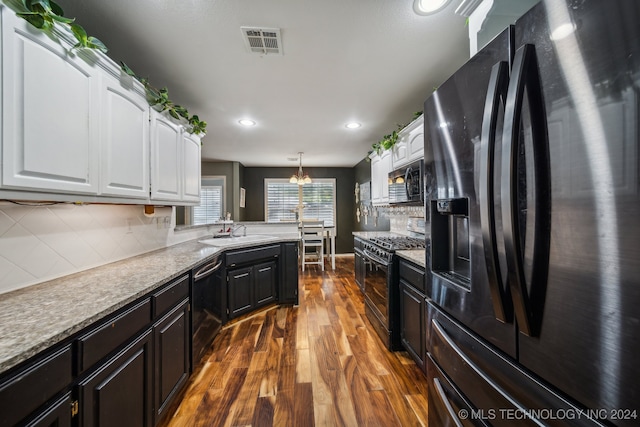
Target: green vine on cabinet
(159,98)
(44,14)
(388,141)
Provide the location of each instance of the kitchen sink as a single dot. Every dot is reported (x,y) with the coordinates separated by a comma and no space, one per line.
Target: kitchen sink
(239,240)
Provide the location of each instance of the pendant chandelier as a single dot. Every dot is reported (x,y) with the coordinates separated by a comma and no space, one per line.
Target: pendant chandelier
(300,178)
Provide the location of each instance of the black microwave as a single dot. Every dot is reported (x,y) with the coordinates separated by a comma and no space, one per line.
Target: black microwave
(406,184)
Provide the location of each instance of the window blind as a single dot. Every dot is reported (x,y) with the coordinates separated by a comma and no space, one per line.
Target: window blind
(318,200)
(283,199)
(210,208)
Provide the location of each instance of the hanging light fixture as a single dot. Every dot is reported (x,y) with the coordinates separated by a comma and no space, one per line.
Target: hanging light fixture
(300,178)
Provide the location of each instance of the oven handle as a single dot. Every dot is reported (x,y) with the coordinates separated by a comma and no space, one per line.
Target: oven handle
(375,259)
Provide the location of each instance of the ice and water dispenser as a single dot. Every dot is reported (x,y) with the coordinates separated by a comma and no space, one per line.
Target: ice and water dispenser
(450,240)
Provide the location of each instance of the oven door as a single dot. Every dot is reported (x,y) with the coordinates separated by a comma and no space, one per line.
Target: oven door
(376,296)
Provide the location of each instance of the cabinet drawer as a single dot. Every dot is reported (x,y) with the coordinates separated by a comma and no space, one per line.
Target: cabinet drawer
(32,386)
(412,275)
(169,296)
(112,334)
(253,254)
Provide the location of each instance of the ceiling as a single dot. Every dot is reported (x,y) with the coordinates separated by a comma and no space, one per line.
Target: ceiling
(370,61)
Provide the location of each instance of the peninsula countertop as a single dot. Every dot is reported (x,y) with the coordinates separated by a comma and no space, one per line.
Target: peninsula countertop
(39,316)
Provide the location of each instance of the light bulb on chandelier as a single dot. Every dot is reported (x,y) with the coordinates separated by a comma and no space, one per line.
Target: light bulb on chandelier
(300,177)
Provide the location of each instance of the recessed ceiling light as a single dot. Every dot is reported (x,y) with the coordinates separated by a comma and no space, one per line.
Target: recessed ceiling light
(352,125)
(247,122)
(427,7)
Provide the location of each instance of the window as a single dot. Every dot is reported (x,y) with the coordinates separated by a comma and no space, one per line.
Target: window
(318,199)
(211,207)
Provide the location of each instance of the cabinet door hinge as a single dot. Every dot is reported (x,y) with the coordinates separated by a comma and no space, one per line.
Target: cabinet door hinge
(189,307)
(227,311)
(74,408)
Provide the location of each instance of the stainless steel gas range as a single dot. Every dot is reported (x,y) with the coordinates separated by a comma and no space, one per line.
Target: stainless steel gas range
(381,293)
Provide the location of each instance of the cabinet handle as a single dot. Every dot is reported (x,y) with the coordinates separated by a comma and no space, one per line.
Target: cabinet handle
(240,276)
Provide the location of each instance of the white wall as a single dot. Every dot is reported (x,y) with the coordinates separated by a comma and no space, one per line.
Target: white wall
(39,243)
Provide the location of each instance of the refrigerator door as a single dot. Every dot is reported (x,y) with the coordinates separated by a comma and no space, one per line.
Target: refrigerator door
(458,279)
(587,339)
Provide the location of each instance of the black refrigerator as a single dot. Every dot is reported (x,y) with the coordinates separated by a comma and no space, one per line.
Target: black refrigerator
(533,284)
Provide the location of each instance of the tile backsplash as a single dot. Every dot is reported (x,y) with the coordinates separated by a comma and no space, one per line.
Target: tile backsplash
(39,243)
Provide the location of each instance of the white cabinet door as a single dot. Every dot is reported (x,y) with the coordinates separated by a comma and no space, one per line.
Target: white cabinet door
(191,168)
(166,158)
(399,152)
(49,113)
(410,145)
(124,138)
(385,168)
(380,168)
(376,188)
(415,140)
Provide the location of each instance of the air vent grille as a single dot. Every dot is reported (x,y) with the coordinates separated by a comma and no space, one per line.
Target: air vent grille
(263,41)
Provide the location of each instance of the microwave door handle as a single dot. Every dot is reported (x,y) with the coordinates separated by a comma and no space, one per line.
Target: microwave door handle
(528,303)
(497,91)
(407,175)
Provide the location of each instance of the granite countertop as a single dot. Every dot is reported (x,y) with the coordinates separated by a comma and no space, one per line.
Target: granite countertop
(417,256)
(37,317)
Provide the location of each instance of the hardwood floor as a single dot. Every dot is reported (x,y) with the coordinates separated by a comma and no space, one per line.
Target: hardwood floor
(319,363)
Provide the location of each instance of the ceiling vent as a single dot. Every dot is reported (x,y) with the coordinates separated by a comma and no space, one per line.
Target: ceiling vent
(264,41)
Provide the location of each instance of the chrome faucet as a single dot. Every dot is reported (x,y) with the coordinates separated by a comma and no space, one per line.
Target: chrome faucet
(236,227)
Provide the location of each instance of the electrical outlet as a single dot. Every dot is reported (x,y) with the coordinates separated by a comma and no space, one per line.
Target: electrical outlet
(129,225)
(167,222)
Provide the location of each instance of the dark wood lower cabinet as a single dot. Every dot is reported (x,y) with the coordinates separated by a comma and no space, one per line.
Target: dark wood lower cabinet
(171,342)
(266,280)
(240,291)
(413,306)
(412,315)
(253,283)
(288,287)
(58,414)
(119,392)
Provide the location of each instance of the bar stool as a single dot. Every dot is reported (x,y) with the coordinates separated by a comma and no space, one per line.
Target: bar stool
(312,237)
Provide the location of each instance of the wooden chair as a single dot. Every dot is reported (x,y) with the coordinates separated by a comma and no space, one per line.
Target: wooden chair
(312,237)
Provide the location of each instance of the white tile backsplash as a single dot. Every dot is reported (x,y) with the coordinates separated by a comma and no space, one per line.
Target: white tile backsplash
(39,243)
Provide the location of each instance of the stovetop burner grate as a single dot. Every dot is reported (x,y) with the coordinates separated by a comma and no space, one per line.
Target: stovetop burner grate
(394,243)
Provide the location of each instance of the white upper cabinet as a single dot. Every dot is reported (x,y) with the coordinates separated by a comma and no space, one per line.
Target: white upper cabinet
(124,139)
(380,168)
(49,113)
(76,128)
(166,158)
(410,144)
(191,179)
(175,162)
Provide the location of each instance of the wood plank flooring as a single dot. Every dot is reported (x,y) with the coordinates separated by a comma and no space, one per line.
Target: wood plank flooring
(319,363)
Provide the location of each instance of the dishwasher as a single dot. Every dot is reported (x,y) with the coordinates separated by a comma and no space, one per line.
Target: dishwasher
(206,307)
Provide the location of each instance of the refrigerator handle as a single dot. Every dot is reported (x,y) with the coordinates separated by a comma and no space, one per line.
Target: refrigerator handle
(529,300)
(497,93)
